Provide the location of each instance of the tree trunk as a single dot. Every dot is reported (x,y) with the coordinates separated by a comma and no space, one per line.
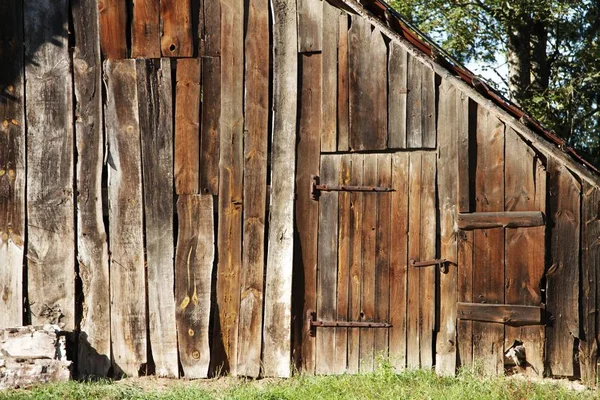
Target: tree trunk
(540,71)
(519,60)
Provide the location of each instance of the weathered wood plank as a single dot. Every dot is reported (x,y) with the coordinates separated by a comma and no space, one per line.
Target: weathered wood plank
(398,91)
(310,25)
(463,143)
(327,263)
(368,87)
(211,114)
(343,96)
(277,327)
(509,314)
(255,187)
(398,260)
(50,208)
(330,78)
(506,219)
(194,262)
(210,28)
(428,110)
(187,126)
(12,162)
(127,269)
(113,28)
(176,22)
(414,103)
(562,284)
(92,247)
(156,128)
(145,29)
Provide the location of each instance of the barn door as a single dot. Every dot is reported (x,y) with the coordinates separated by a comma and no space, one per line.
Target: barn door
(501,249)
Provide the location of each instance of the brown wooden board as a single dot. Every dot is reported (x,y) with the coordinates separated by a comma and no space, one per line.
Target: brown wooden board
(463,143)
(399,259)
(447,170)
(428,111)
(397,69)
(310,25)
(210,28)
(156,129)
(231,164)
(127,269)
(307,210)
(509,314)
(414,103)
(562,276)
(255,187)
(211,114)
(330,77)
(525,190)
(145,29)
(113,28)
(176,22)
(50,144)
(327,265)
(488,244)
(194,261)
(187,126)
(368,87)
(12,163)
(92,247)
(343,100)
(278,293)
(502,219)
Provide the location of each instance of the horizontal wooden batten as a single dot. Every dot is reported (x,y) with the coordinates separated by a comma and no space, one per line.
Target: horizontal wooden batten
(502,313)
(509,219)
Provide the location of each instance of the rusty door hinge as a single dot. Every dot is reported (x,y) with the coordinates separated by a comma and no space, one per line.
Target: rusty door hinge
(313,324)
(442,264)
(316,188)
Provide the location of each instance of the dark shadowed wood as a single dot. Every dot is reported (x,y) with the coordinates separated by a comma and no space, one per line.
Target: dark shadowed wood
(50,145)
(231,164)
(156,128)
(506,219)
(330,78)
(187,126)
(92,247)
(501,313)
(463,149)
(414,103)
(145,29)
(210,28)
(368,87)
(562,287)
(113,28)
(327,265)
(343,100)
(398,260)
(194,260)
(397,95)
(447,168)
(12,163)
(176,22)
(211,114)
(256,126)
(428,88)
(127,270)
(310,25)
(277,327)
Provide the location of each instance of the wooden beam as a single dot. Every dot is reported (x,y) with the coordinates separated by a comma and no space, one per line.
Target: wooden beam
(507,219)
(509,314)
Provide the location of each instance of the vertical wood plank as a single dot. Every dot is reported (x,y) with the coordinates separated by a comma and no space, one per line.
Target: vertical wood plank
(343,99)
(113,28)
(176,21)
(310,25)
(414,104)
(562,285)
(413,321)
(464,167)
(194,261)
(428,111)
(187,126)
(156,129)
(211,125)
(50,148)
(397,69)
(330,78)
(277,327)
(145,29)
(12,162)
(127,270)
(255,187)
(398,259)
(92,247)
(210,25)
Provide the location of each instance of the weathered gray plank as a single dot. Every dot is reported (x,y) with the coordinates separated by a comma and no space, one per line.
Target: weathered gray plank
(330,78)
(343,100)
(414,104)
(310,23)
(398,91)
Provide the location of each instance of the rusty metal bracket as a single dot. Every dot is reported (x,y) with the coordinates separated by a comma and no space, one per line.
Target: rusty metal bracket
(442,264)
(316,188)
(313,324)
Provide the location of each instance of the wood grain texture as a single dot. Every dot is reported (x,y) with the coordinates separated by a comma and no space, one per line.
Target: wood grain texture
(429,104)
(156,129)
(211,125)
(414,103)
(145,29)
(50,145)
(464,162)
(187,126)
(92,247)
(310,25)
(256,127)
(277,327)
(330,78)
(210,28)
(127,269)
(368,87)
(397,69)
(562,277)
(113,28)
(465,294)
(176,21)
(508,314)
(12,163)
(194,264)
(343,95)
(502,219)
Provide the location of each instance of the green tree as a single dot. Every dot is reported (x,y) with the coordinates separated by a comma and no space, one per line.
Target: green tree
(551,47)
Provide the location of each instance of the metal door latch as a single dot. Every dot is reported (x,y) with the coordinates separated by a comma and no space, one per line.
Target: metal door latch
(316,188)
(313,324)
(442,264)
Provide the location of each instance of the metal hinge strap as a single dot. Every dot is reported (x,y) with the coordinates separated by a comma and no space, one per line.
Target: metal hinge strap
(313,324)
(317,188)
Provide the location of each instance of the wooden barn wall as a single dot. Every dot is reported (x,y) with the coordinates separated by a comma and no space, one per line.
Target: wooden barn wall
(156,162)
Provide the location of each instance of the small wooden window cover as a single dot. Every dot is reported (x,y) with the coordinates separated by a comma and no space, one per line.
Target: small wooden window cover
(508,219)
(508,314)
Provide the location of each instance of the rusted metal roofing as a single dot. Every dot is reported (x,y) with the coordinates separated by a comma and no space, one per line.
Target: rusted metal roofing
(426,45)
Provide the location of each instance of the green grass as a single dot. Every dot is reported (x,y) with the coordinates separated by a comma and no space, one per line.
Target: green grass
(382,384)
